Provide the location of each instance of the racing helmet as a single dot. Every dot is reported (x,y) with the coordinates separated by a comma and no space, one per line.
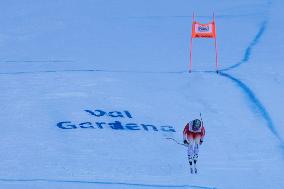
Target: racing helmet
(196,124)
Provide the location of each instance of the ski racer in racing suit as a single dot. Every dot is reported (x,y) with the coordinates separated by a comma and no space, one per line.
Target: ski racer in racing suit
(193,135)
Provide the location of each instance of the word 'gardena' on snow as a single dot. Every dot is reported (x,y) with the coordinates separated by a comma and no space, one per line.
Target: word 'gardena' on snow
(116,125)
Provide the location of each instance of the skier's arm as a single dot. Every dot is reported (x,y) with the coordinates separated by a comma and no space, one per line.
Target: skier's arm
(202,134)
(184,134)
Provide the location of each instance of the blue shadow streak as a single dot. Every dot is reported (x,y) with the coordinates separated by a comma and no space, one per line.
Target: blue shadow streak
(256,105)
(105,183)
(248,50)
(94,70)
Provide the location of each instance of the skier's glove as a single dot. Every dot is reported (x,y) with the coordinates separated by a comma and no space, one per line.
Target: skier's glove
(201,141)
(185,142)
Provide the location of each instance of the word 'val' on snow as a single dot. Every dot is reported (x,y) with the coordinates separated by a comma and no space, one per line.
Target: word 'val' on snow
(100,113)
(115,125)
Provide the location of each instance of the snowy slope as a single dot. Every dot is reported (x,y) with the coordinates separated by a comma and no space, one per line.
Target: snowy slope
(92,89)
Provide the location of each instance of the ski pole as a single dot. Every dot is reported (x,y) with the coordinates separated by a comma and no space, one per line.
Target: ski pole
(176,141)
(201,118)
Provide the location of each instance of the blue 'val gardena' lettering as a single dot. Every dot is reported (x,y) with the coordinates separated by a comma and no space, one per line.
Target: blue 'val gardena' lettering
(115,125)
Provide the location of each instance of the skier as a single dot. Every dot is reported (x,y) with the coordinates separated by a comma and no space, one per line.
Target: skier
(193,135)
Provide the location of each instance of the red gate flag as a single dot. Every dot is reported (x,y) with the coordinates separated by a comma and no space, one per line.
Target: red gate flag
(203,31)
